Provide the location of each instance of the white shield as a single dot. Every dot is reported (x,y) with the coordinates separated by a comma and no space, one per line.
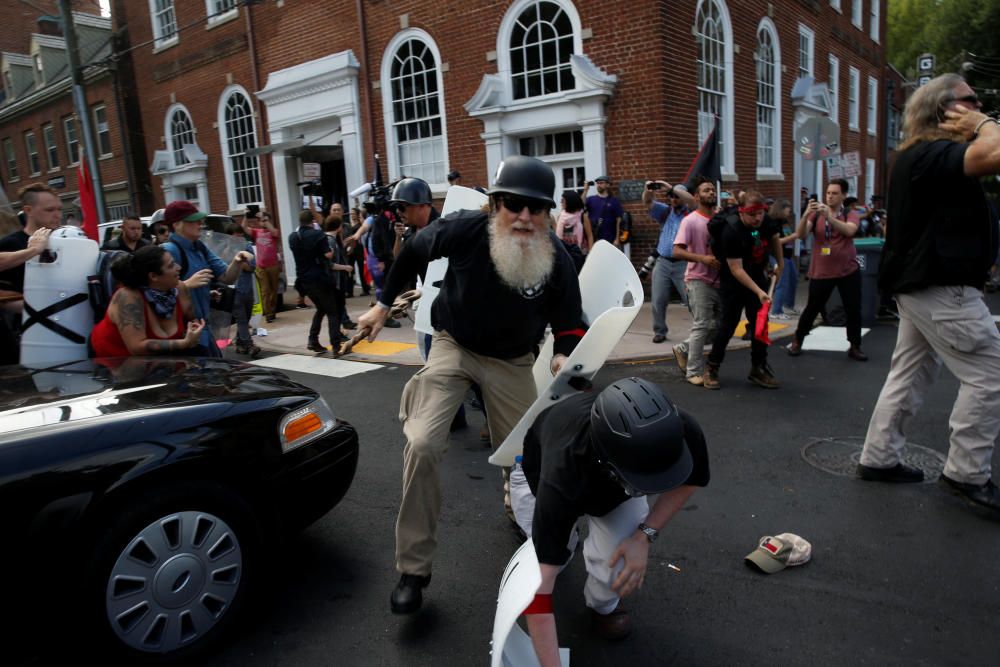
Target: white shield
(458,198)
(612,296)
(511,645)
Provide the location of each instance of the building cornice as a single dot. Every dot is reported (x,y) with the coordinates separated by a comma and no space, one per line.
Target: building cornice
(40,97)
(317,76)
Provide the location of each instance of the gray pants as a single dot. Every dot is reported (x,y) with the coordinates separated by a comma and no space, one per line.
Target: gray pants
(706,310)
(950,325)
(667,276)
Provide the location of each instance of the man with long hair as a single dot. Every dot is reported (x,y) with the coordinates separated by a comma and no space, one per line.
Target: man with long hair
(508,278)
(937,256)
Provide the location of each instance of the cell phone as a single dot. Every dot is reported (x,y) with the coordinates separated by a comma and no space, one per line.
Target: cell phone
(590,182)
(654,186)
(252,210)
(813,198)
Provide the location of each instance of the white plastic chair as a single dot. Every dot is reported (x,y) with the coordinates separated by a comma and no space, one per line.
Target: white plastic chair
(612,296)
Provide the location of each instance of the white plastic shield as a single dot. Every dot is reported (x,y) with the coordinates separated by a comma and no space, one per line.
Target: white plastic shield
(521,579)
(458,198)
(612,296)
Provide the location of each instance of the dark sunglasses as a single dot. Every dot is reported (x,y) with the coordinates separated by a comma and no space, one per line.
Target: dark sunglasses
(516,204)
(162,230)
(971,99)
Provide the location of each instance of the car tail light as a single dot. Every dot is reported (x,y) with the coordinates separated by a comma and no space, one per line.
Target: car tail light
(305,425)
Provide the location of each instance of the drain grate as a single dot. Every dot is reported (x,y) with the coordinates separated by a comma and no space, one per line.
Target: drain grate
(839,456)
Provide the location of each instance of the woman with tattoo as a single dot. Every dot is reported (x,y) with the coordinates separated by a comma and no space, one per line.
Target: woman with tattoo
(152,312)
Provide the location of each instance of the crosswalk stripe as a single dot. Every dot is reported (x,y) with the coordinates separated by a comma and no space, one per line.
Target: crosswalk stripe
(337,368)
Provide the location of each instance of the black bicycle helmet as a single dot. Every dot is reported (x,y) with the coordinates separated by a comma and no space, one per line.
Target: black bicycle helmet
(411,191)
(639,435)
(525,176)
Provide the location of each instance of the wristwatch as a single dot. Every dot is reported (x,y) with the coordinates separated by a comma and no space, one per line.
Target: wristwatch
(651,533)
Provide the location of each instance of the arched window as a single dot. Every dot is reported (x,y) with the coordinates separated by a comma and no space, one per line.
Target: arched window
(414,116)
(238,137)
(541,43)
(713,34)
(768,57)
(180,130)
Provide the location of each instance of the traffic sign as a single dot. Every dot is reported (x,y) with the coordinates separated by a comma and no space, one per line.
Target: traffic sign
(925,63)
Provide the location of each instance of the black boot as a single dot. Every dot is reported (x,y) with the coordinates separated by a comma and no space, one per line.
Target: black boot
(987,495)
(408,594)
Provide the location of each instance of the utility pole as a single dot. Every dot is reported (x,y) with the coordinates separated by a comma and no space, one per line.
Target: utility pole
(80,102)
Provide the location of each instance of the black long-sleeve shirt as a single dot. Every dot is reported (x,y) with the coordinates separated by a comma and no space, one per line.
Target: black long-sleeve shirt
(482,313)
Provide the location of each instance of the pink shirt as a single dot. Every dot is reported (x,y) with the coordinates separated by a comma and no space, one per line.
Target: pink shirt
(266,246)
(833,257)
(574,219)
(693,235)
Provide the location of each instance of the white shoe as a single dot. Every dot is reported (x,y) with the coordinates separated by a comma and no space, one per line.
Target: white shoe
(696,380)
(794,312)
(784,317)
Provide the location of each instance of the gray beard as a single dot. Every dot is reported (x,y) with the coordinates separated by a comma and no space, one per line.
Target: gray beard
(521,265)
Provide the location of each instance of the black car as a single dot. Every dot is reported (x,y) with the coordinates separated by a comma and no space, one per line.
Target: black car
(141,497)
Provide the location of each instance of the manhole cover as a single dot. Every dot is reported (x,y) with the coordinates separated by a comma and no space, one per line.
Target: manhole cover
(839,456)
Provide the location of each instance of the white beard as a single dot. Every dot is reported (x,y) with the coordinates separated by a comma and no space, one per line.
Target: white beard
(521,263)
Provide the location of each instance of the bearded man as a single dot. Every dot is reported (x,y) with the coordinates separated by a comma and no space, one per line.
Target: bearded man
(508,277)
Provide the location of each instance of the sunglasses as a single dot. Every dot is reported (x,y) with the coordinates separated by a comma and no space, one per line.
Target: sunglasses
(161,230)
(969,99)
(516,204)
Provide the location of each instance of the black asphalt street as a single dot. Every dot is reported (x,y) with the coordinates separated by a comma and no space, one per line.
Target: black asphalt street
(901,575)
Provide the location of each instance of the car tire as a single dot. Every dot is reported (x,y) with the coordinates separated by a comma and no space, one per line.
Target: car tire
(171,573)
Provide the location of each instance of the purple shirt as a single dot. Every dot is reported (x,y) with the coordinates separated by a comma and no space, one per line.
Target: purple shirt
(603,212)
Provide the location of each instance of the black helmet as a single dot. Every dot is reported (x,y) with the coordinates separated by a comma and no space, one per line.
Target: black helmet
(411,191)
(639,436)
(525,176)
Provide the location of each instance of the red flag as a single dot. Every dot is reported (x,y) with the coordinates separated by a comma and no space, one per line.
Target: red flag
(88,203)
(760,331)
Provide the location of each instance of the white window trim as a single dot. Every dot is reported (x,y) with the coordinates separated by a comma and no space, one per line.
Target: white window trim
(858,13)
(875,20)
(6,159)
(48,151)
(872,115)
(223,17)
(805,31)
(97,132)
(503,45)
(728,131)
(69,154)
(224,142)
(834,86)
(162,42)
(854,106)
(28,153)
(835,5)
(392,148)
(168,135)
(767,24)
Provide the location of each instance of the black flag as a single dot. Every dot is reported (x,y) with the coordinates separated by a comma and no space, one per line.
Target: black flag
(706,163)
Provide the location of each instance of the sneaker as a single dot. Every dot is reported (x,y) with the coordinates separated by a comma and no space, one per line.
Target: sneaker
(710,379)
(696,380)
(763,377)
(681,357)
(659,338)
(780,317)
(301,304)
(899,474)
(794,312)
(315,346)
(408,595)
(794,348)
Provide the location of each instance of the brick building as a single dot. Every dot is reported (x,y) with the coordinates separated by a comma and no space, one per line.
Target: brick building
(236,98)
(40,137)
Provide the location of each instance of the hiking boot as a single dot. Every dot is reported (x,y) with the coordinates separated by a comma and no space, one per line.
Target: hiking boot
(710,379)
(763,377)
(408,594)
(249,349)
(681,357)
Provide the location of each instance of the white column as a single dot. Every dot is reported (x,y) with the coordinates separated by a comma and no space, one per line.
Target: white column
(493,139)
(594,156)
(286,199)
(354,157)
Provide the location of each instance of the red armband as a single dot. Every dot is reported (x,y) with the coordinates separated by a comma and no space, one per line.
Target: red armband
(542,604)
(572,332)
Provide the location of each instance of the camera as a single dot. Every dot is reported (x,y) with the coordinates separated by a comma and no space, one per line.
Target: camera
(590,182)
(654,186)
(648,265)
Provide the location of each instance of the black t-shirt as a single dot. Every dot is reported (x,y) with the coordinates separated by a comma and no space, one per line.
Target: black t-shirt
(942,239)
(481,312)
(751,244)
(562,471)
(13,278)
(309,247)
(119,244)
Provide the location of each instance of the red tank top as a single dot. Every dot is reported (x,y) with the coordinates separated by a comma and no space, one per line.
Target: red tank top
(107,340)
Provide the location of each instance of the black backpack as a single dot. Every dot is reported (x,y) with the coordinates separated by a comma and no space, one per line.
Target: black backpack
(728,216)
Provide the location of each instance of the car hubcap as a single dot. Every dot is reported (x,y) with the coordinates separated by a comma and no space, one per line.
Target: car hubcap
(174,581)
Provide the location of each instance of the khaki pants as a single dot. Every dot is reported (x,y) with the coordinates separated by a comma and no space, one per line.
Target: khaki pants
(268,279)
(426,409)
(950,325)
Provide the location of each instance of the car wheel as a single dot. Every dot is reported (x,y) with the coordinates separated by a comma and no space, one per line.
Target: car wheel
(173,572)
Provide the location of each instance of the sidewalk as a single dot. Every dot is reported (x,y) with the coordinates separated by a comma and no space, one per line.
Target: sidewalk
(288,334)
